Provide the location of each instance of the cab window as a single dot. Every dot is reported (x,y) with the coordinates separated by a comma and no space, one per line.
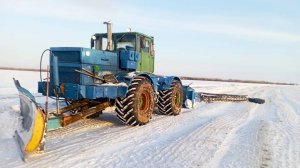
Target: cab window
(145,45)
(125,41)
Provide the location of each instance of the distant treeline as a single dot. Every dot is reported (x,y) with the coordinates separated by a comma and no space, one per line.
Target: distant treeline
(234,80)
(182,77)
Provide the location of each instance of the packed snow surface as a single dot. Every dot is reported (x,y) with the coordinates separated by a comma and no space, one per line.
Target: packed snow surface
(220,134)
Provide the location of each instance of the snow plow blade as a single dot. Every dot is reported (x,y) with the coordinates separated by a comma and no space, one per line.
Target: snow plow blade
(31,137)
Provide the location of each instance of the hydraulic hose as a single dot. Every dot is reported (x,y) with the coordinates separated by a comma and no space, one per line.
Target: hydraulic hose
(41,79)
(41,60)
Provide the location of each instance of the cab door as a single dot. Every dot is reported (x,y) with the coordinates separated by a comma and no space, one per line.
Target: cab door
(146,63)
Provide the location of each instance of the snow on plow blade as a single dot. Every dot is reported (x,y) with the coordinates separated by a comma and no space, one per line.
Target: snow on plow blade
(31,136)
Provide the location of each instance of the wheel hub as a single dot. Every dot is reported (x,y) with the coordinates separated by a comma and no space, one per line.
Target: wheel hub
(143,101)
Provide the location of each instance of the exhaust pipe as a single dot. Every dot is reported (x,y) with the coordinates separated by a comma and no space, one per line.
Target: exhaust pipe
(109,36)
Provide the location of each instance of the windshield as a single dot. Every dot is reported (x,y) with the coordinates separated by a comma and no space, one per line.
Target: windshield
(120,41)
(125,41)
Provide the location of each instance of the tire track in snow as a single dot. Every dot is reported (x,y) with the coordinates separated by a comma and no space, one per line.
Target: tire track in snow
(237,148)
(206,141)
(170,148)
(279,134)
(290,128)
(204,134)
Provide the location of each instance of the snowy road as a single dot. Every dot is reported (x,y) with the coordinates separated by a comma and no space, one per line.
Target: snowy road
(212,135)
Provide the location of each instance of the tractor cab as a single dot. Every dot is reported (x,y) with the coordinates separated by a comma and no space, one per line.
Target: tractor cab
(128,41)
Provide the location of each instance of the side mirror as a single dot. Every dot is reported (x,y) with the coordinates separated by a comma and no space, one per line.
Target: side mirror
(92,43)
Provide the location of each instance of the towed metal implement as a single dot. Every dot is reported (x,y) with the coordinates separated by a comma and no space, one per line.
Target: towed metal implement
(213,97)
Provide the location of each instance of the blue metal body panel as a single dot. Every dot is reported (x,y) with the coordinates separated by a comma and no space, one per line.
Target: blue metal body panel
(189,93)
(128,77)
(129,59)
(153,79)
(77,92)
(165,82)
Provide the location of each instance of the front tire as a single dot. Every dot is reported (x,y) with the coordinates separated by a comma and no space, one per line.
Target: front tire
(137,107)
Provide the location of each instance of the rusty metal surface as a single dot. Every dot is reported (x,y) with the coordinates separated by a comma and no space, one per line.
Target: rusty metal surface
(73,106)
(68,119)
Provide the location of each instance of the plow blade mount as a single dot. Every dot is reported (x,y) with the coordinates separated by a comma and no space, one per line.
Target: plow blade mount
(31,136)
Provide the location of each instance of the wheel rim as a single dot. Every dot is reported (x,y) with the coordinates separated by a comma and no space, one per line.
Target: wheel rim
(143,103)
(177,99)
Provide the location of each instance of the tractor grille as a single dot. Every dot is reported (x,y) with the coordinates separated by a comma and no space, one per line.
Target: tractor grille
(67,56)
(68,62)
(68,75)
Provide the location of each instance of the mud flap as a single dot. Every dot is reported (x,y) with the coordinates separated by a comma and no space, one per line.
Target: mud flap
(31,137)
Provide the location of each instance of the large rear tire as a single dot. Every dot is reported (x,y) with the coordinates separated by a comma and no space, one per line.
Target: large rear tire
(137,107)
(170,101)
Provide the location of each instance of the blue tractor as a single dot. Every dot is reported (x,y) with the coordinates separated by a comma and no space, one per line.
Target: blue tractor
(116,71)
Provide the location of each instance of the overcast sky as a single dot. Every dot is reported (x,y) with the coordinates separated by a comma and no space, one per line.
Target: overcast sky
(249,39)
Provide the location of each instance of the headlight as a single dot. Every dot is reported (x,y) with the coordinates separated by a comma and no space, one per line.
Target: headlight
(87,53)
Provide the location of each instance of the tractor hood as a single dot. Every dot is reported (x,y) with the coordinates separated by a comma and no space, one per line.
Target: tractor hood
(71,59)
(84,55)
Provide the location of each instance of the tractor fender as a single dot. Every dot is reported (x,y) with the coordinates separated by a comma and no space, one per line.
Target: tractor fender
(158,82)
(165,82)
(152,78)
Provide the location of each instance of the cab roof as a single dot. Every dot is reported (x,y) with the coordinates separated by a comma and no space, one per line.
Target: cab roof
(121,33)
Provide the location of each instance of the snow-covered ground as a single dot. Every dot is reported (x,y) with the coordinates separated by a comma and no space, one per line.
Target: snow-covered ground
(211,135)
